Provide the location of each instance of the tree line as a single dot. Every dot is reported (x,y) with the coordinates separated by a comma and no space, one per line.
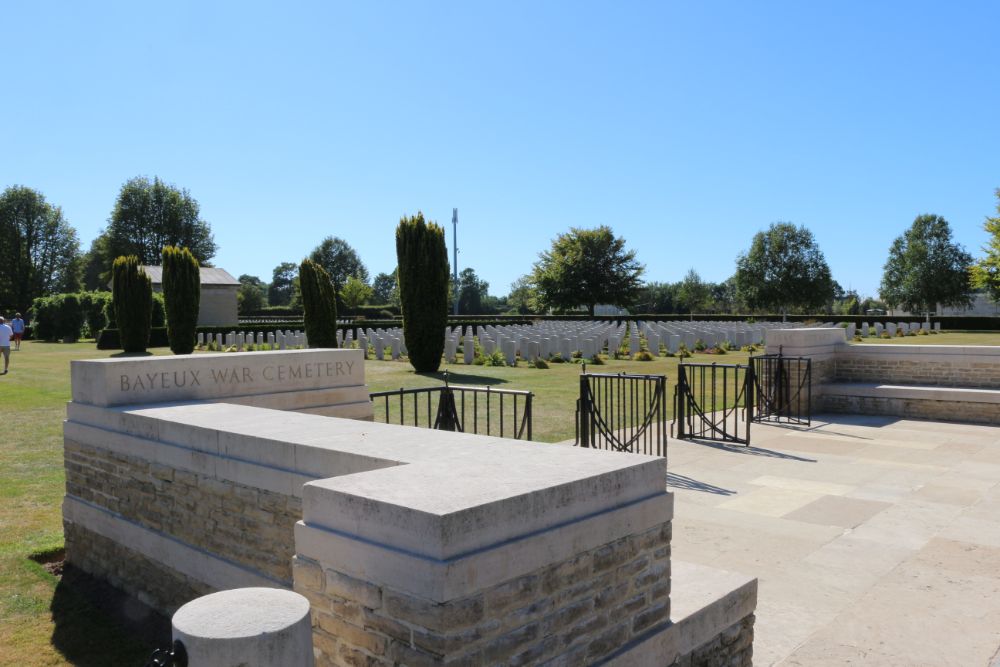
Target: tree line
(783,270)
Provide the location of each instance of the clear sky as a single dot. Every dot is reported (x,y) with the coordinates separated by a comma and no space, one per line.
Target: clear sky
(686,127)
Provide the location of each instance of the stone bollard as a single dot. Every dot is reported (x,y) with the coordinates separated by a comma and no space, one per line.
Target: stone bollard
(246,627)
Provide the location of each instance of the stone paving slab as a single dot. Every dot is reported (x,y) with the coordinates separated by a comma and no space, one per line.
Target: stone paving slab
(876,540)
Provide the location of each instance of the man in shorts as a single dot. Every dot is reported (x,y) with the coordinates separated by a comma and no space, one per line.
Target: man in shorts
(5,335)
(17,326)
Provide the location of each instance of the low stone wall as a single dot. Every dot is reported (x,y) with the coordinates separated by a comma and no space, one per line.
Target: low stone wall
(733,648)
(924,365)
(949,382)
(413,546)
(578,610)
(252,527)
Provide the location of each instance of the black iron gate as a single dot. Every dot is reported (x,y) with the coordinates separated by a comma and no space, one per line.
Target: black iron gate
(625,413)
(783,389)
(714,402)
(720,401)
(502,412)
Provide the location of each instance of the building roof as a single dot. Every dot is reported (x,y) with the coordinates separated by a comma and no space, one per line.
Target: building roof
(209,276)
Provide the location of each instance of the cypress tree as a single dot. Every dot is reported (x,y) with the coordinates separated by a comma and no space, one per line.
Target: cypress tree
(423,290)
(181,297)
(319,304)
(132,299)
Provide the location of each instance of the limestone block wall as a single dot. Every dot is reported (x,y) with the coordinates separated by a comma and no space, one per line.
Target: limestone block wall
(577,610)
(927,365)
(953,382)
(168,509)
(733,648)
(413,546)
(251,528)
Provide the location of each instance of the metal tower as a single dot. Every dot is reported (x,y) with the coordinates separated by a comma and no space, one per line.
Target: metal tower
(454,245)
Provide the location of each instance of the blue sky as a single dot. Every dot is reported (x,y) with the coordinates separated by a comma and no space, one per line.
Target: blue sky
(685,127)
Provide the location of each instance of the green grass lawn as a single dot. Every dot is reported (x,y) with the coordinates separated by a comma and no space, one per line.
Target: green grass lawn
(45,623)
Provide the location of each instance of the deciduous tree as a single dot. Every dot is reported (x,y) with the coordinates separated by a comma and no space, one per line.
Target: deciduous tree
(282,287)
(39,251)
(340,261)
(925,268)
(385,290)
(355,293)
(784,269)
(586,267)
(693,293)
(149,215)
(252,294)
(986,272)
(472,292)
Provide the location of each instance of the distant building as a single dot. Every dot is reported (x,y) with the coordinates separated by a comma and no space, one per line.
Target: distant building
(218,295)
(981,305)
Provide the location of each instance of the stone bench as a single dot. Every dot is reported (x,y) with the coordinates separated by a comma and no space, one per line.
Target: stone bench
(963,404)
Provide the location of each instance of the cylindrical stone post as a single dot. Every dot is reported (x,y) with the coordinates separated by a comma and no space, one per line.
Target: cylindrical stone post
(246,627)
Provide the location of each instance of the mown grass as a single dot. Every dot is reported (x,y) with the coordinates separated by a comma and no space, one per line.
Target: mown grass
(45,622)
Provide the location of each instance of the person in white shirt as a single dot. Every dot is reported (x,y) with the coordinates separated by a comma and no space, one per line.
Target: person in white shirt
(6,333)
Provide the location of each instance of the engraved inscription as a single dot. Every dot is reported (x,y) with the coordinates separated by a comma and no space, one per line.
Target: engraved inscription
(234,375)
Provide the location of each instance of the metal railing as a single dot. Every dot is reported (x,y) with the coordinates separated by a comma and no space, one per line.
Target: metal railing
(624,413)
(714,402)
(783,389)
(505,413)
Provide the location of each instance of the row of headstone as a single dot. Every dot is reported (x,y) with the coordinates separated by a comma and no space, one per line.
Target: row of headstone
(549,339)
(891,328)
(277,340)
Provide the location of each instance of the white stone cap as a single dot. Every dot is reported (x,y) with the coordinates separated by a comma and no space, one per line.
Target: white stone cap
(240,613)
(811,342)
(246,627)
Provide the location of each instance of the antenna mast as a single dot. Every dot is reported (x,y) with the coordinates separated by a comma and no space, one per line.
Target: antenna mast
(454,244)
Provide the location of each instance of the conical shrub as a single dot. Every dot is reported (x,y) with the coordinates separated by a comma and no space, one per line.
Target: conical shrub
(423,290)
(132,299)
(319,304)
(181,297)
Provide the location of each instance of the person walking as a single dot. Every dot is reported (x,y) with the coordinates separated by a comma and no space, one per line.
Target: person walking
(17,326)
(6,333)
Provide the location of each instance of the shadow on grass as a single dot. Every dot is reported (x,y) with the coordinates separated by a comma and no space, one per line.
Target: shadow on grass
(119,355)
(464,378)
(96,624)
(748,449)
(675,481)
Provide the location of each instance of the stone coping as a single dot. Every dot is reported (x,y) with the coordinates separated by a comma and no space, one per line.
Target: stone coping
(444,579)
(917,392)
(704,601)
(433,493)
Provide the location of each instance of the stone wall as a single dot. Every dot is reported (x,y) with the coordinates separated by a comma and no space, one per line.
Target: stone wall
(732,648)
(951,382)
(912,408)
(414,546)
(146,579)
(252,527)
(925,365)
(576,611)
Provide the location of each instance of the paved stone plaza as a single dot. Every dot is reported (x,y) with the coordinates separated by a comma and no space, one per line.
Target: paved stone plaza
(876,540)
